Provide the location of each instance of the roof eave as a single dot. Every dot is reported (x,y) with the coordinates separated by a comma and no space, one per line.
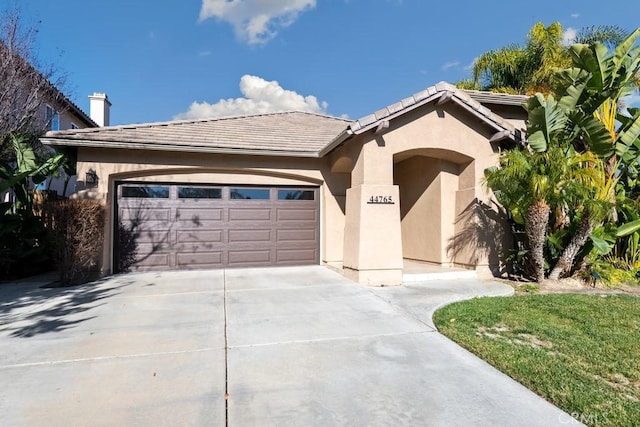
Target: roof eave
(453,98)
(335,142)
(173,148)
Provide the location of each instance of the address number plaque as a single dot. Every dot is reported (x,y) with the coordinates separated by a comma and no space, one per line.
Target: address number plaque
(381,200)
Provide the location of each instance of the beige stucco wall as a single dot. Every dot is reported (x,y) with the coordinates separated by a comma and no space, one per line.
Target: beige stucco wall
(113,165)
(426,169)
(444,150)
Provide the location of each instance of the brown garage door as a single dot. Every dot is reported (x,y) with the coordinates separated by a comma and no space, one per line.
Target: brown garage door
(185,226)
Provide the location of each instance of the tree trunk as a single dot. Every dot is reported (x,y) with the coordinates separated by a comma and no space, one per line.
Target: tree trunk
(536,227)
(569,253)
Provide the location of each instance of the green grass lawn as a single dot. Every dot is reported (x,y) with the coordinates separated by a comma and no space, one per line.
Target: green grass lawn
(580,352)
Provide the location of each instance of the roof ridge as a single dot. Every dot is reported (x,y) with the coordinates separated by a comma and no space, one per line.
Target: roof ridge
(421,98)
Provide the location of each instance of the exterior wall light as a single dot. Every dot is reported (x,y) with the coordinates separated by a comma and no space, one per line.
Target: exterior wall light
(91,178)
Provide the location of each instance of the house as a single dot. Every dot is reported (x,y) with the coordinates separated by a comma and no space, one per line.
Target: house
(61,114)
(31,103)
(297,188)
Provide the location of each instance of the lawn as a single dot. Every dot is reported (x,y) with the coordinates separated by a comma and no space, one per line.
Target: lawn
(580,352)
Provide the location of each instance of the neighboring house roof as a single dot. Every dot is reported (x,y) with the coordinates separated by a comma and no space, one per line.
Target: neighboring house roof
(76,111)
(283,134)
(286,134)
(497,98)
(57,97)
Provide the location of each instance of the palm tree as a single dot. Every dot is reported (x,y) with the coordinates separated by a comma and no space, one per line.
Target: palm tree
(530,68)
(586,117)
(610,35)
(530,184)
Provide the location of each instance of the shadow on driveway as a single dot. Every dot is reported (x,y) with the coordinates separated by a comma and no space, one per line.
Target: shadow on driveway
(27,309)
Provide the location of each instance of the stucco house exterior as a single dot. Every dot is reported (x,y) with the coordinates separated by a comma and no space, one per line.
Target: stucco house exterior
(297,188)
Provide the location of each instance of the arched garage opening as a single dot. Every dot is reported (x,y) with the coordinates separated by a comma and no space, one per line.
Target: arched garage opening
(435,186)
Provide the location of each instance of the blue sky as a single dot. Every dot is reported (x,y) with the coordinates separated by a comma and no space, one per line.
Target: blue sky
(160,60)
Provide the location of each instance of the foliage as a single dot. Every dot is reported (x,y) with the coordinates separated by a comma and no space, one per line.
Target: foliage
(530,68)
(579,352)
(610,35)
(532,185)
(17,174)
(611,271)
(78,229)
(580,146)
(24,247)
(26,83)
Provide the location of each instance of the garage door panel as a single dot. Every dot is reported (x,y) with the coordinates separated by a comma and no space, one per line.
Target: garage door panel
(200,259)
(285,214)
(159,237)
(295,256)
(296,235)
(153,260)
(185,236)
(249,257)
(249,214)
(198,215)
(236,236)
(193,231)
(148,214)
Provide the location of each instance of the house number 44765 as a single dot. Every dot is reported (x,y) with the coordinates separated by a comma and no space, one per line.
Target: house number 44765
(380,200)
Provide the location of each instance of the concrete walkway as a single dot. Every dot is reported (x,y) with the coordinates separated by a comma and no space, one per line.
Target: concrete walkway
(290,346)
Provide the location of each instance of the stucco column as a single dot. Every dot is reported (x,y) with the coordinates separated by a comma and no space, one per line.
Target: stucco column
(373,239)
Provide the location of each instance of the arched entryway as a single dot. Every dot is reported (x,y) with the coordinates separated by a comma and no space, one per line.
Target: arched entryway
(435,186)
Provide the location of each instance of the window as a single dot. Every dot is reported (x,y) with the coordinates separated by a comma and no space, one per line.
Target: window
(146,192)
(250,193)
(296,195)
(52,118)
(199,193)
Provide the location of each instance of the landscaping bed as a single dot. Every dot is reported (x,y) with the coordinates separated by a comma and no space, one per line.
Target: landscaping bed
(580,352)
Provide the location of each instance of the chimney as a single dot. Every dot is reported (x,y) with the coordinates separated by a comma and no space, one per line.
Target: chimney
(99,106)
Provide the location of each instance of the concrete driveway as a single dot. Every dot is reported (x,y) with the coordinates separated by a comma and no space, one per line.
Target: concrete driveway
(288,346)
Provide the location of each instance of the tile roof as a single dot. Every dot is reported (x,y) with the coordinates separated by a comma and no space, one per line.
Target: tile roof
(285,134)
(288,133)
(497,98)
(433,93)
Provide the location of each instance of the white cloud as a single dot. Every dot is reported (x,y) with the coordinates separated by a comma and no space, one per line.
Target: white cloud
(256,21)
(448,65)
(259,97)
(569,36)
(575,15)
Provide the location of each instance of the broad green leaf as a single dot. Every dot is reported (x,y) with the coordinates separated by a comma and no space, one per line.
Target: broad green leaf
(600,245)
(25,157)
(583,57)
(623,52)
(628,228)
(629,131)
(546,119)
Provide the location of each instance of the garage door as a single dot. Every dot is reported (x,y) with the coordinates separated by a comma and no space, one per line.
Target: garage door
(185,226)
